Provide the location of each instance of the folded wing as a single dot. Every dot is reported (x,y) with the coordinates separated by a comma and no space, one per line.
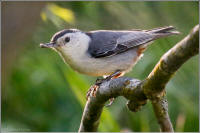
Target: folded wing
(107,43)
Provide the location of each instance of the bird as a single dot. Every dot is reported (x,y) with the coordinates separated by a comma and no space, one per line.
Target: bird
(107,53)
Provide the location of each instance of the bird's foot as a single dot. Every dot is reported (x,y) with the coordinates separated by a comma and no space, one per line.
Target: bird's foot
(93,89)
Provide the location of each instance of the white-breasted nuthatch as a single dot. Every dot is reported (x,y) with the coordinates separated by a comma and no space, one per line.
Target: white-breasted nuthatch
(104,52)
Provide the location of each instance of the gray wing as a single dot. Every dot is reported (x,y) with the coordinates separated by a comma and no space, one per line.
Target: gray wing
(107,43)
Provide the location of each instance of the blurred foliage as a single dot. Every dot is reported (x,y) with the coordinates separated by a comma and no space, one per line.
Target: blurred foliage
(44,94)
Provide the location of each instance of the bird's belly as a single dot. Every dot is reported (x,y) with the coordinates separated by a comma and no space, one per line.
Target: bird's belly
(104,66)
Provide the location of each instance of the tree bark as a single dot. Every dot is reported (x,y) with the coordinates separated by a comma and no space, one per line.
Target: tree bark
(161,111)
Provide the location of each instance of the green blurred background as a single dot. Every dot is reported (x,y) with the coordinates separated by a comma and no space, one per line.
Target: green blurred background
(41,93)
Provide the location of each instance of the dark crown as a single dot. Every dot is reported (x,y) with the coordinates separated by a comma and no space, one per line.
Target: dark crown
(61,33)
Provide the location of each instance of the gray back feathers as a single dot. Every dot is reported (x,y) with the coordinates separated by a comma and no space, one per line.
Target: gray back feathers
(107,43)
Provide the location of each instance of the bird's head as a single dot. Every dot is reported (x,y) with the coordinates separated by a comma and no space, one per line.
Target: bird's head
(66,39)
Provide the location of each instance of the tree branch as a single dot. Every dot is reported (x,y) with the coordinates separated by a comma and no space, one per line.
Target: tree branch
(170,62)
(137,92)
(160,107)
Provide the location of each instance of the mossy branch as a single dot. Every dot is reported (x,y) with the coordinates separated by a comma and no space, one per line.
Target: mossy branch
(170,62)
(138,92)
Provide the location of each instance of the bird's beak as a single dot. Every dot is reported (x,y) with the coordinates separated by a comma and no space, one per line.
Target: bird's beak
(47,45)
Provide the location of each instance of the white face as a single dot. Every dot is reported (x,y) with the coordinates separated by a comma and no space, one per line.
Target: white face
(72,44)
(71,40)
(66,40)
(69,44)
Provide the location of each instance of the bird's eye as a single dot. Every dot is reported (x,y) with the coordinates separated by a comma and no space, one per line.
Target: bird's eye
(67,39)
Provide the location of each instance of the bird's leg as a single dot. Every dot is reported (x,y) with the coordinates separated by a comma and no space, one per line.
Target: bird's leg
(116,74)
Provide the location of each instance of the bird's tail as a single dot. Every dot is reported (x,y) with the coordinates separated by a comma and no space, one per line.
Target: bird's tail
(163,31)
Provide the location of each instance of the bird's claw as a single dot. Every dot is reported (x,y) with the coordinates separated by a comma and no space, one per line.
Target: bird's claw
(88,92)
(93,90)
